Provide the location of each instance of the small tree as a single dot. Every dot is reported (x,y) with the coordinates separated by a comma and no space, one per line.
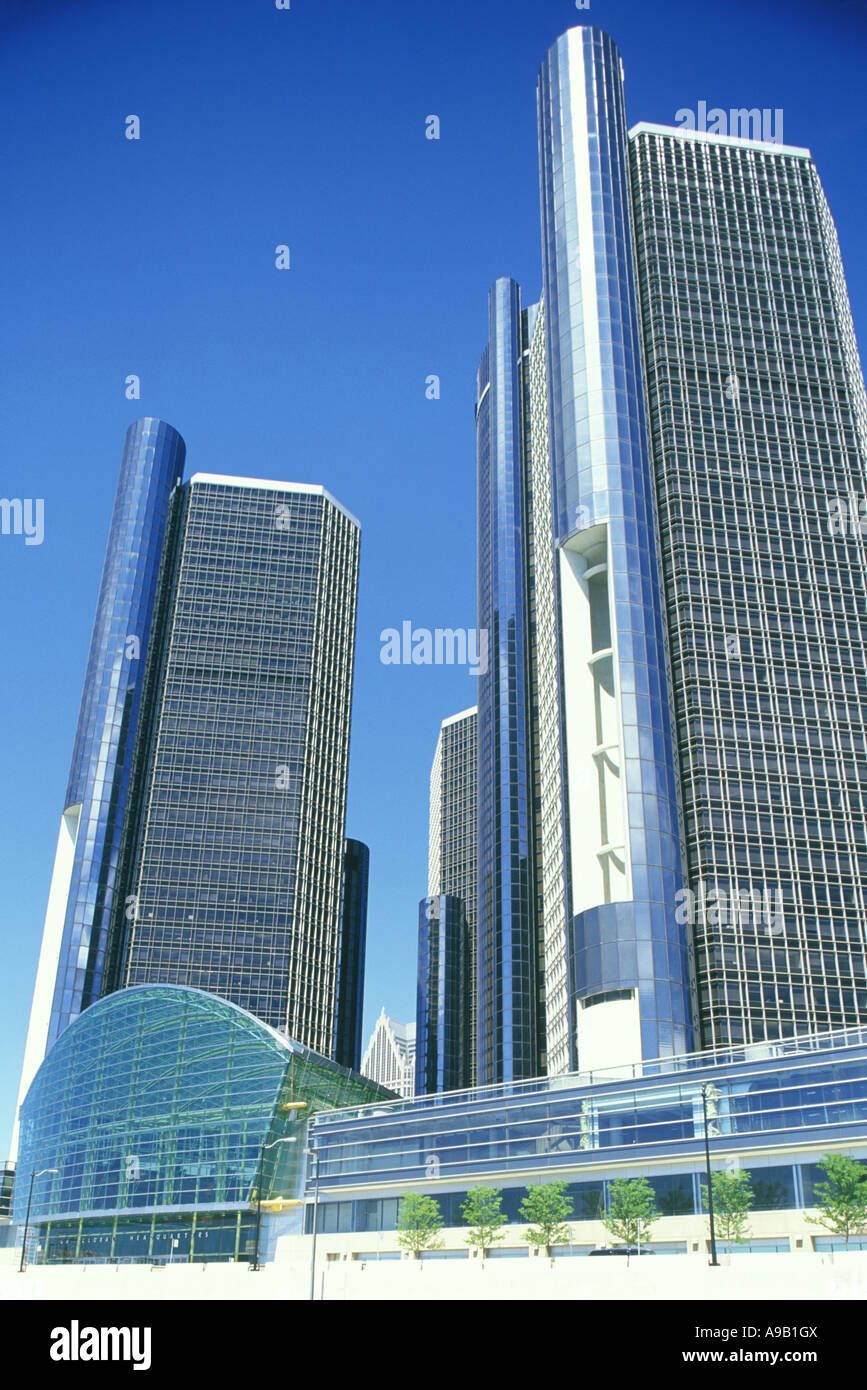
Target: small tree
(842,1199)
(482,1212)
(732,1202)
(419,1223)
(547,1209)
(631,1209)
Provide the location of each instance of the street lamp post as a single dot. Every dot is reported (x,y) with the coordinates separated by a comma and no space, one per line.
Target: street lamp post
(286,1140)
(314,1160)
(713,1258)
(33,1176)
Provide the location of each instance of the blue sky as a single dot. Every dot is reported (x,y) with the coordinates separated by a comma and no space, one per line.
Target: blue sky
(156,257)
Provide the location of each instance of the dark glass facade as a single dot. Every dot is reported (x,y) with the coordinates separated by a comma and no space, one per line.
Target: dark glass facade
(233,861)
(353,934)
(7,1186)
(776,1187)
(442,1003)
(758,422)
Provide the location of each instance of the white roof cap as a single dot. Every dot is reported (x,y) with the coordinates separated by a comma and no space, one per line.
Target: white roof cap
(269,484)
(684,133)
(464,714)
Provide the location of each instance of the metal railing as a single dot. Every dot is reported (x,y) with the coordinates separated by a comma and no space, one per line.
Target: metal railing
(656,1066)
(196,1259)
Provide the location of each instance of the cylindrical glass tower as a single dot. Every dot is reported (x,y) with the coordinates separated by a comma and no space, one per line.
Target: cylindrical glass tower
(627,951)
(80,899)
(507,967)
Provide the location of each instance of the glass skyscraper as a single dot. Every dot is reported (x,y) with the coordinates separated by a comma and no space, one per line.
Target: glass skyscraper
(627,950)
(202,837)
(83,884)
(353,939)
(442,1003)
(758,424)
(510,1011)
(233,858)
(452,858)
(671,462)
(580,951)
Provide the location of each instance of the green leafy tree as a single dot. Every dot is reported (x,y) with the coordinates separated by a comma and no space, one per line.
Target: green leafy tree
(842,1199)
(732,1202)
(482,1212)
(547,1209)
(631,1209)
(419,1222)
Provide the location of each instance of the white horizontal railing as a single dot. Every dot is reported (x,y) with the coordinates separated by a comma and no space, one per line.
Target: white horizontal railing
(656,1066)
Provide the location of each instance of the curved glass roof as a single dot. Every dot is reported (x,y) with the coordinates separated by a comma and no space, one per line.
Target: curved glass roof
(161,1096)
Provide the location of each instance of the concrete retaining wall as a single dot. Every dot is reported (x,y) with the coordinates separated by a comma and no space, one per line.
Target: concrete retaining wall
(779,1276)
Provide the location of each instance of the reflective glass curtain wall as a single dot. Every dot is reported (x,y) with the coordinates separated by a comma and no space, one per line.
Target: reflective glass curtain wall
(160,1098)
(625,833)
(509,1010)
(152,463)
(442,1004)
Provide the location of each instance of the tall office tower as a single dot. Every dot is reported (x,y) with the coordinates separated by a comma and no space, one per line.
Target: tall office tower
(582,959)
(83,884)
(452,846)
(510,1004)
(442,1004)
(233,858)
(350,970)
(759,429)
(390,1055)
(692,488)
(628,955)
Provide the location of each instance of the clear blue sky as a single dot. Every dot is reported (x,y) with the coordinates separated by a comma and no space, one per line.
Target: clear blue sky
(156,257)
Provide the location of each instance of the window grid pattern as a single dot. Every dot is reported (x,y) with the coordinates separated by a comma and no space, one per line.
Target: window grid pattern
(452,862)
(819,1098)
(757,410)
(776,1187)
(442,1007)
(161,1097)
(201,1236)
(235,875)
(550,861)
(509,1019)
(390,1055)
(314,961)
